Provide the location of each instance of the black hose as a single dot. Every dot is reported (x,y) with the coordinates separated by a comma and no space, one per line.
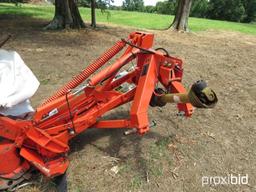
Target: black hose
(5,41)
(164,50)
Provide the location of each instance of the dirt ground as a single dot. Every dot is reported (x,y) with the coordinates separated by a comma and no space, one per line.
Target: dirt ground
(177,153)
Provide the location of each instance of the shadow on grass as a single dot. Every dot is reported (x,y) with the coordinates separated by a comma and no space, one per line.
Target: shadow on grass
(117,141)
(15,20)
(26,29)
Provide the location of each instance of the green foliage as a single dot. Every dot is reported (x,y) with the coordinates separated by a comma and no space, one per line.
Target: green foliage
(166,7)
(250,10)
(16,2)
(149,9)
(133,5)
(125,18)
(84,3)
(100,4)
(231,10)
(199,8)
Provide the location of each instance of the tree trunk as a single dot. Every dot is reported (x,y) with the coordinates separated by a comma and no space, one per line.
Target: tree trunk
(180,22)
(66,16)
(93,16)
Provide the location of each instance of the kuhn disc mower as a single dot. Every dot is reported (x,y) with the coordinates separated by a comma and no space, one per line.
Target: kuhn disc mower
(41,142)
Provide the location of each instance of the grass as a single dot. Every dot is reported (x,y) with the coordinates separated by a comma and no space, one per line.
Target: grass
(152,165)
(133,19)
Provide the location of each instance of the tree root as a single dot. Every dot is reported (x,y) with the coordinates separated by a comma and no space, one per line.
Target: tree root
(56,23)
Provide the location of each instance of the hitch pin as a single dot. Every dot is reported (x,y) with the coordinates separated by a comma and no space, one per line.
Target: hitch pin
(130,131)
(134,130)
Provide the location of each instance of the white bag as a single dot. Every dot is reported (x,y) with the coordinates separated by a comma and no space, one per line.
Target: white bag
(17,84)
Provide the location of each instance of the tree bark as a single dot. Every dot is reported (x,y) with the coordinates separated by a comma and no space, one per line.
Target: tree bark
(93,16)
(180,22)
(66,16)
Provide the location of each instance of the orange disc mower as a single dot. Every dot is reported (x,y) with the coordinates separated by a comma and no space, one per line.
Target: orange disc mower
(41,142)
